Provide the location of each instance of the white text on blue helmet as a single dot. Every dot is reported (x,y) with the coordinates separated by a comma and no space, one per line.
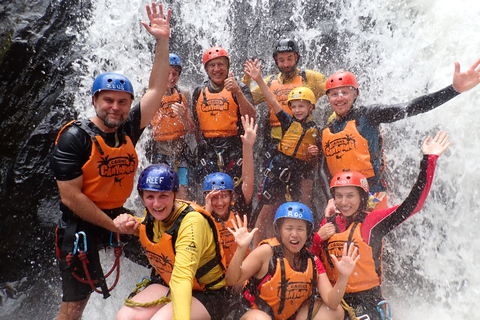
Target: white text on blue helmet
(154,180)
(294,214)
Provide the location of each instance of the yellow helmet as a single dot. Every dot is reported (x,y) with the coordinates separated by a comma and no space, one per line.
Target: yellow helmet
(302,93)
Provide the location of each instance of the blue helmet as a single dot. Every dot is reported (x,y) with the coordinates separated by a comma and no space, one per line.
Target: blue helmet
(175,60)
(158,177)
(294,210)
(112,81)
(218,181)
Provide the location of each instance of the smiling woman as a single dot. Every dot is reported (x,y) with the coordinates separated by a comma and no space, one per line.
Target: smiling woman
(268,294)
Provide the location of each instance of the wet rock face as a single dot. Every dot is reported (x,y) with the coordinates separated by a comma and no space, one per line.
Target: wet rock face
(35,68)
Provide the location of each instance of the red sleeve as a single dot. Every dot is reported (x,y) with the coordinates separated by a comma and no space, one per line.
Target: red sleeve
(320,267)
(379,223)
(317,241)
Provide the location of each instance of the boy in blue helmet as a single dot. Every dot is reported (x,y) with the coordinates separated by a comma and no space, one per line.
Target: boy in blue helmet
(282,276)
(170,125)
(180,240)
(219,191)
(94,162)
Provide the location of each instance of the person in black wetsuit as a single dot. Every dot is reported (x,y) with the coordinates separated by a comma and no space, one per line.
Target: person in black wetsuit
(94,163)
(353,140)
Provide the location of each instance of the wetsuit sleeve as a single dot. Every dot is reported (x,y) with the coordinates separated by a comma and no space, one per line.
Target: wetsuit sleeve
(71,152)
(132,125)
(195,96)
(316,82)
(191,244)
(246,92)
(378,223)
(285,120)
(320,267)
(377,114)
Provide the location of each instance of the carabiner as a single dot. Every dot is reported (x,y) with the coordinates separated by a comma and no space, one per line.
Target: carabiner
(82,233)
(384,307)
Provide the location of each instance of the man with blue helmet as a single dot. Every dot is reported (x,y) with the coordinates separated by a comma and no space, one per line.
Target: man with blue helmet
(170,125)
(181,242)
(282,276)
(94,162)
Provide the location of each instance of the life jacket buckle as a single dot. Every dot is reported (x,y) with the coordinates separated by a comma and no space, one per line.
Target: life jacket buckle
(267,195)
(364,317)
(268,173)
(285,175)
(239,162)
(268,155)
(203,162)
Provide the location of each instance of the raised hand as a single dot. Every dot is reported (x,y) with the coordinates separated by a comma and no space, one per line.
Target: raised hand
(250,129)
(438,145)
(158,26)
(253,69)
(243,237)
(349,259)
(464,81)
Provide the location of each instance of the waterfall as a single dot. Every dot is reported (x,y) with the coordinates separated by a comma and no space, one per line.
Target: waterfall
(398,50)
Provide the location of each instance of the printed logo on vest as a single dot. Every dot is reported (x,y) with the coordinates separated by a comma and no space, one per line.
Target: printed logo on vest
(216,105)
(111,167)
(340,146)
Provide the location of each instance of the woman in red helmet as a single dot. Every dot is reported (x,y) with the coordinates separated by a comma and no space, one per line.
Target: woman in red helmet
(353,141)
(218,105)
(352,224)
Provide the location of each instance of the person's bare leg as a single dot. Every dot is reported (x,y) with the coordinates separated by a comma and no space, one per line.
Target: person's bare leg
(72,310)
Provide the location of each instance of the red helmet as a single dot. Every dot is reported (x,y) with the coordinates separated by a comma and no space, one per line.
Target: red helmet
(341,79)
(349,178)
(213,53)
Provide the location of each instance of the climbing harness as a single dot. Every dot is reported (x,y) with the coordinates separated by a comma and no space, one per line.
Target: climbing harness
(80,249)
(143,284)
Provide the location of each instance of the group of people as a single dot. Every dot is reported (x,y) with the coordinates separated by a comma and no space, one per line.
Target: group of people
(226,259)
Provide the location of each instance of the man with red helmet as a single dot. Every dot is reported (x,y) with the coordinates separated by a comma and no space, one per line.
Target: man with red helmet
(353,141)
(218,105)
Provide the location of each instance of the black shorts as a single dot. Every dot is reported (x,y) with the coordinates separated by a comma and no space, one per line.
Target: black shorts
(74,290)
(215,301)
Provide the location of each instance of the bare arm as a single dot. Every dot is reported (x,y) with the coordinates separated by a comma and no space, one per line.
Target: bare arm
(333,296)
(248,169)
(240,270)
(254,70)
(157,85)
(72,196)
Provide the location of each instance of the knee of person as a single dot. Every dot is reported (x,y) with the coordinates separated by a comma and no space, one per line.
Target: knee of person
(127,313)
(254,314)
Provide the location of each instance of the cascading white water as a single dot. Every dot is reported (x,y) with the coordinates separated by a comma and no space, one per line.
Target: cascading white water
(399,50)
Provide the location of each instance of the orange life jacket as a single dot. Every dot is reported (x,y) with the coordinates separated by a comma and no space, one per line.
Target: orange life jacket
(166,125)
(296,140)
(108,175)
(217,114)
(281,92)
(364,276)
(283,290)
(347,150)
(161,255)
(227,238)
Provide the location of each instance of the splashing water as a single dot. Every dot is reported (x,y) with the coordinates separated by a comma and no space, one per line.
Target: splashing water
(398,50)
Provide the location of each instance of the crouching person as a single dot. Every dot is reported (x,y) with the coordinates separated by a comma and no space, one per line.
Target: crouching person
(181,242)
